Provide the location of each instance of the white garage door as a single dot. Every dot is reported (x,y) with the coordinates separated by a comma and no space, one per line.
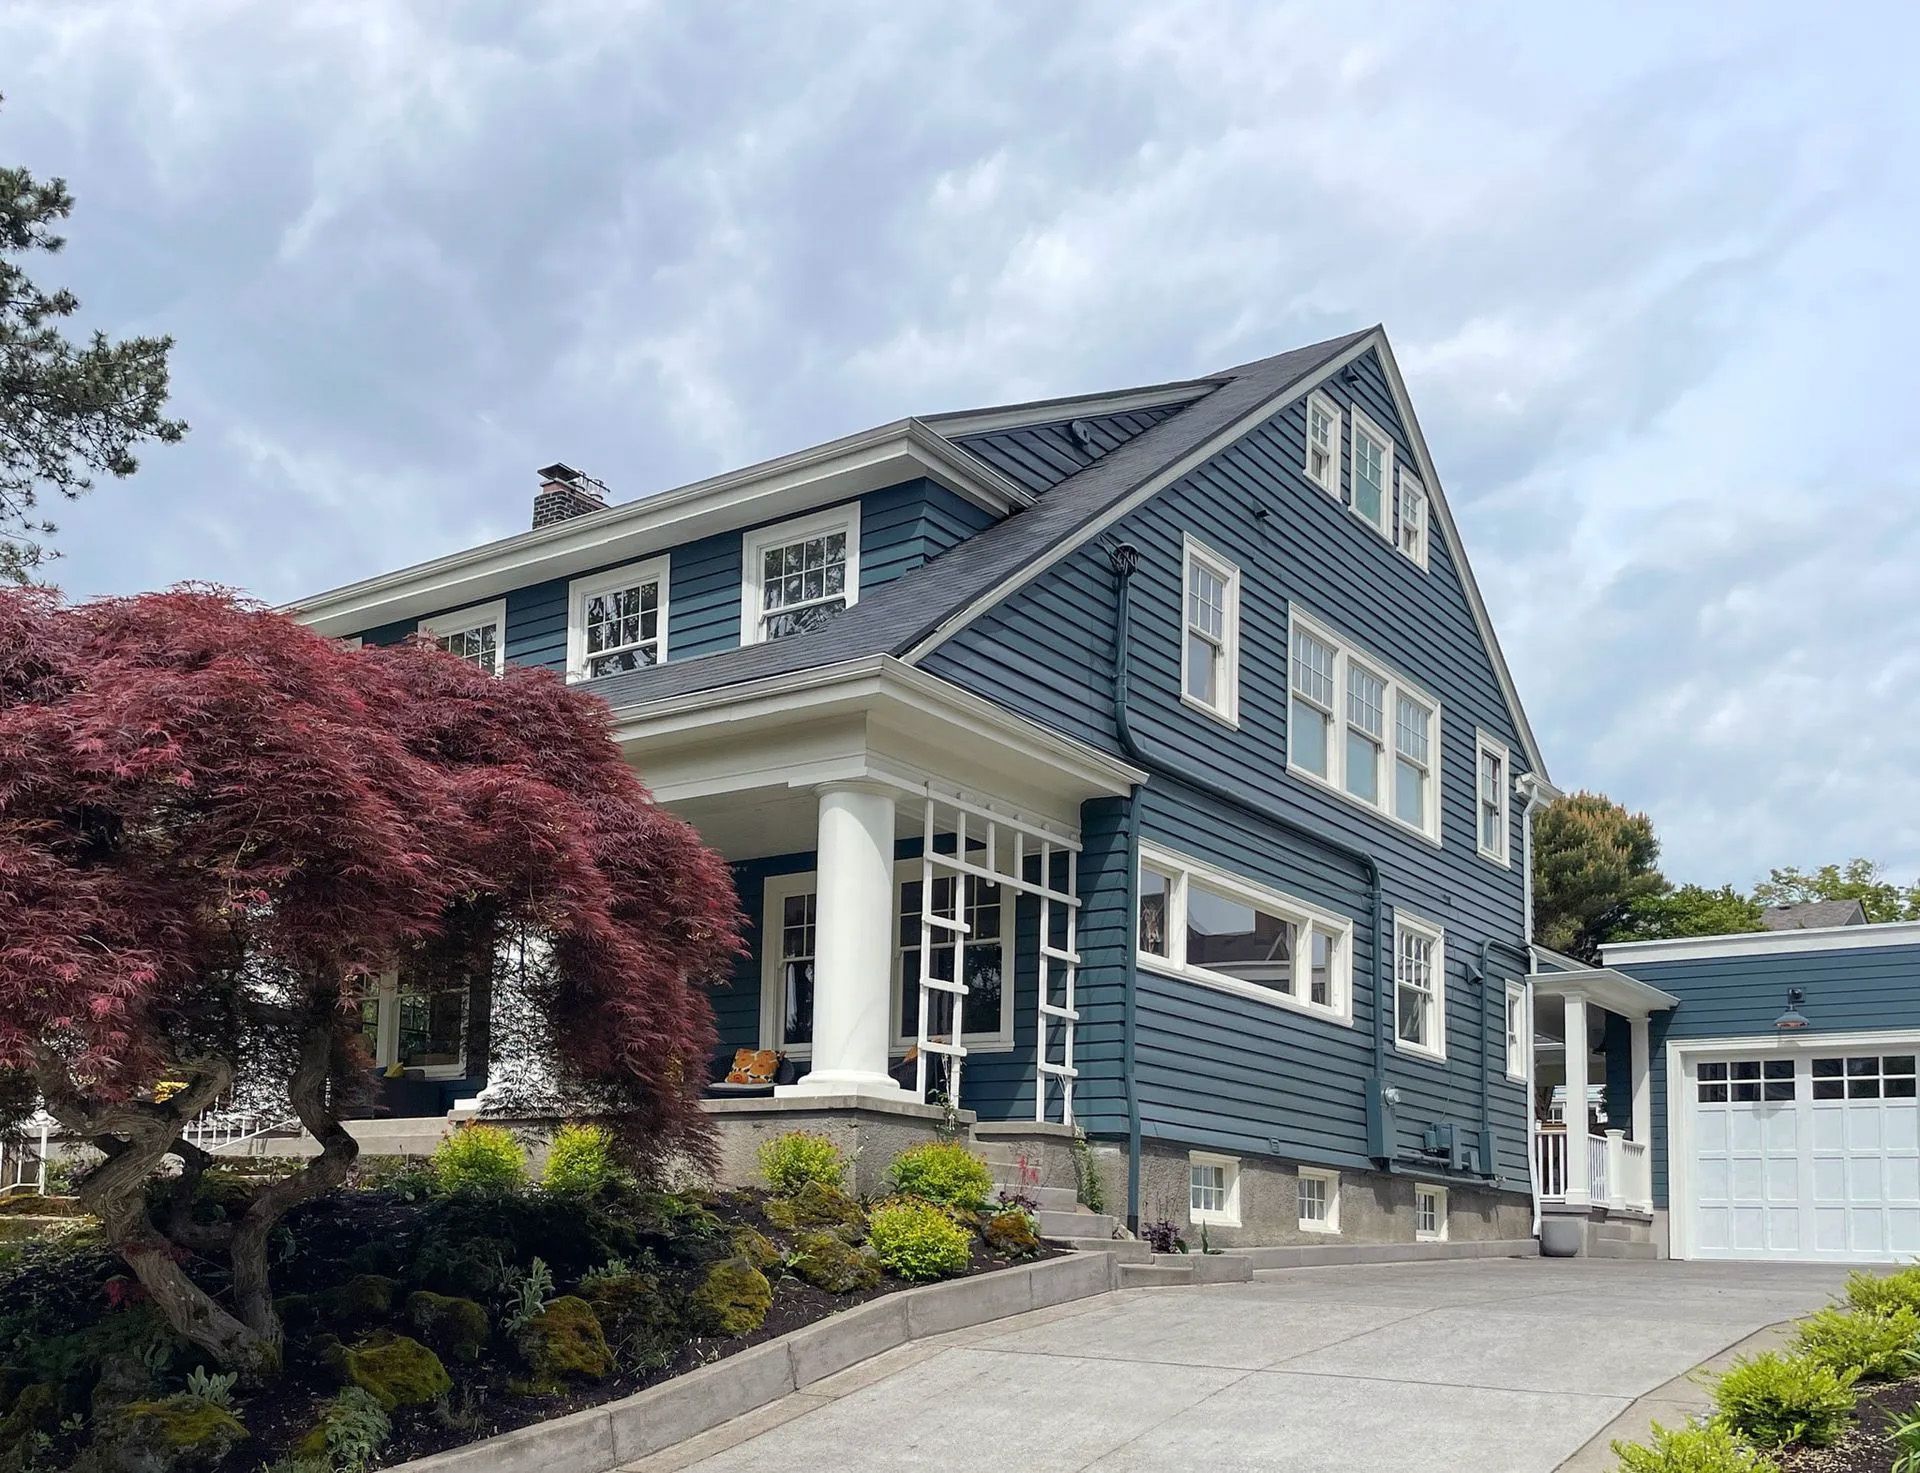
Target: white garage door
(1805,1156)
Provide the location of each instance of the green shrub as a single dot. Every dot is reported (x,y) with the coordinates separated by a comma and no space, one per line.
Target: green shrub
(1904,1435)
(816,1205)
(828,1261)
(352,1429)
(733,1299)
(1708,1448)
(1884,1293)
(790,1161)
(580,1161)
(916,1240)
(1776,1400)
(942,1171)
(1878,1346)
(481,1159)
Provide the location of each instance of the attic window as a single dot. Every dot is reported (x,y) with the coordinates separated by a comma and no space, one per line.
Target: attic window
(617,621)
(1413,519)
(1323,443)
(797,575)
(476,635)
(1372,475)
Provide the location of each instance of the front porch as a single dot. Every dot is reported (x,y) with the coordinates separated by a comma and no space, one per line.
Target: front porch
(1592,1111)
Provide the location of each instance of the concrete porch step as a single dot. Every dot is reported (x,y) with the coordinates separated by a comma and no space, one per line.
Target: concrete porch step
(1154,1275)
(1127,1250)
(1074,1223)
(1621,1248)
(1209,1268)
(1051,1199)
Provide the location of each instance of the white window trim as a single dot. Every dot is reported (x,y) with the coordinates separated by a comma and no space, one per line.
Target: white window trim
(1426,519)
(653,570)
(1344,651)
(442,626)
(1332,1182)
(1522,1038)
(1482,744)
(1228,711)
(753,546)
(1439,1195)
(1319,400)
(778,889)
(1338,928)
(1229,1216)
(1404,921)
(386,1047)
(1362,425)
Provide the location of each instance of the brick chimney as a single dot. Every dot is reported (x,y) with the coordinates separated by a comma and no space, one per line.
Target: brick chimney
(566,493)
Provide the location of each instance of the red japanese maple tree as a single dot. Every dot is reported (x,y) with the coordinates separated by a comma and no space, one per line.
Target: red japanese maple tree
(216,827)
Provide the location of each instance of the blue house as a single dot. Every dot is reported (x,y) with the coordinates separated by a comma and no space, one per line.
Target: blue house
(1140,765)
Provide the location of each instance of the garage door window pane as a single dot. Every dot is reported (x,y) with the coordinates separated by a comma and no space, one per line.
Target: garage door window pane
(1858,1066)
(1897,1064)
(1900,1089)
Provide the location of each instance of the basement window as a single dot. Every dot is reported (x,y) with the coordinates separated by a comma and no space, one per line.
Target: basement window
(1319,1200)
(1430,1214)
(1213,1189)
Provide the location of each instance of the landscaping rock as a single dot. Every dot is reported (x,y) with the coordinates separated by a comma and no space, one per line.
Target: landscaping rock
(816,1205)
(565,1342)
(173,1435)
(453,1326)
(641,1321)
(733,1299)
(363,1299)
(397,1371)
(828,1261)
(1012,1233)
(36,1409)
(756,1247)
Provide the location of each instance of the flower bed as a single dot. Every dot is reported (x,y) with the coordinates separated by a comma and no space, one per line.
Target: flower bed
(428,1308)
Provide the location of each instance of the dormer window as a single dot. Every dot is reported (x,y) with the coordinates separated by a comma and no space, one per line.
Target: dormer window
(477,635)
(799,574)
(1372,475)
(617,621)
(1323,443)
(1413,519)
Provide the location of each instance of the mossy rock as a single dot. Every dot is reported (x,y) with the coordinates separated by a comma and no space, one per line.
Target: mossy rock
(453,1326)
(733,1298)
(816,1205)
(564,1342)
(35,1409)
(1011,1233)
(361,1300)
(397,1371)
(828,1261)
(756,1247)
(166,1436)
(641,1319)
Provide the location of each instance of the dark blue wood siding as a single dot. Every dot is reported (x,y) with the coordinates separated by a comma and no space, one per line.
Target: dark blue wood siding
(1039,457)
(1215,1068)
(1734,997)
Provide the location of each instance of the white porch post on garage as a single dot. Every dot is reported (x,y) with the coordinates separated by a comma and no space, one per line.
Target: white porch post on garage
(1578,1192)
(853,957)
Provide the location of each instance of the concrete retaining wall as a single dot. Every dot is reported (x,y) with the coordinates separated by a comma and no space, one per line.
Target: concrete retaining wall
(604,1437)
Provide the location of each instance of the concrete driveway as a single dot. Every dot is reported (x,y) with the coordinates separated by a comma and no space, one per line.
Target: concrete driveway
(1497,1365)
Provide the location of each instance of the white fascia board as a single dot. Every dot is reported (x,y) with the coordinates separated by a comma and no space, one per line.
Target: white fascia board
(1615,991)
(863,684)
(1763,943)
(822,475)
(1077,406)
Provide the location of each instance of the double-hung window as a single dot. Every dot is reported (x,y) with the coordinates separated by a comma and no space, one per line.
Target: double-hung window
(1430,1214)
(1372,475)
(1355,725)
(476,635)
(1225,932)
(1323,442)
(1517,1039)
(1490,762)
(1210,653)
(799,574)
(1412,538)
(1319,1194)
(617,621)
(1419,993)
(1213,1189)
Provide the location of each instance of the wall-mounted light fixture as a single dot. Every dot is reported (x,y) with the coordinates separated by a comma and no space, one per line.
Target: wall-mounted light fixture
(1792,1017)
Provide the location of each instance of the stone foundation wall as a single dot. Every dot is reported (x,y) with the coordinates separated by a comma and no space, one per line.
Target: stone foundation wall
(870,1132)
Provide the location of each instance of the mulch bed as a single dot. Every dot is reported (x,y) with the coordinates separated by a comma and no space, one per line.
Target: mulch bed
(1864,1447)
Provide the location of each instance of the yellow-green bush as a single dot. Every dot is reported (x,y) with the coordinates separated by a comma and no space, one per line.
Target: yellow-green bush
(479,1159)
(1707,1448)
(941,1171)
(916,1240)
(790,1161)
(1879,1347)
(1776,1400)
(580,1161)
(1884,1293)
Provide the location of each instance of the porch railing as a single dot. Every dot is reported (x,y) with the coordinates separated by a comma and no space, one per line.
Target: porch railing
(1632,1173)
(1597,1172)
(1619,1171)
(1550,1162)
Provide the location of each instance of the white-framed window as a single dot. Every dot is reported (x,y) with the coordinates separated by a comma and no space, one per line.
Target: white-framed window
(788,935)
(1492,781)
(1210,634)
(1517,1031)
(1359,728)
(417,1025)
(477,635)
(1419,991)
(1411,525)
(617,620)
(1319,1200)
(1323,442)
(1372,477)
(798,574)
(1430,1214)
(1223,931)
(1213,1189)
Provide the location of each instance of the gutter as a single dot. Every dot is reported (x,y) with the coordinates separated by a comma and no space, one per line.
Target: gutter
(1381,1099)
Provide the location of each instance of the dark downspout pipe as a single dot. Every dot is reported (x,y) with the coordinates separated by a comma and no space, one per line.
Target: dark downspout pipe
(1490,1168)
(1380,1131)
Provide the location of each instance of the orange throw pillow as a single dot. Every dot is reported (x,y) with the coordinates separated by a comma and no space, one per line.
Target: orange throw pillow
(753,1066)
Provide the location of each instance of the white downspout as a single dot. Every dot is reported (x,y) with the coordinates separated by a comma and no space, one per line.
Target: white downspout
(1538,795)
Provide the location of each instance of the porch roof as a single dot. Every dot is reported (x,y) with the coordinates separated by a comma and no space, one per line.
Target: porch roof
(1613,990)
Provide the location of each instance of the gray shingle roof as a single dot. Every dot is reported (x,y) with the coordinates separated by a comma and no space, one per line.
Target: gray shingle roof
(1813,915)
(898,615)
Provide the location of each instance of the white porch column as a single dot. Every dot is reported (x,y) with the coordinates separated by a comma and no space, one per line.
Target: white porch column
(1642,1076)
(1578,1173)
(853,945)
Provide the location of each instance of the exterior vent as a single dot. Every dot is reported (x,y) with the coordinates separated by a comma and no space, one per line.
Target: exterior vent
(566,493)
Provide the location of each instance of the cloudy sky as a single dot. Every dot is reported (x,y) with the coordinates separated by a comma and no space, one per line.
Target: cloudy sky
(1648,271)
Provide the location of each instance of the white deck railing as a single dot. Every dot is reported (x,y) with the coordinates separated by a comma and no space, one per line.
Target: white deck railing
(1597,1172)
(1619,1171)
(1550,1162)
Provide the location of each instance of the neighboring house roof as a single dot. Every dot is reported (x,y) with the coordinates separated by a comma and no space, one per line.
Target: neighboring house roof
(1813,915)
